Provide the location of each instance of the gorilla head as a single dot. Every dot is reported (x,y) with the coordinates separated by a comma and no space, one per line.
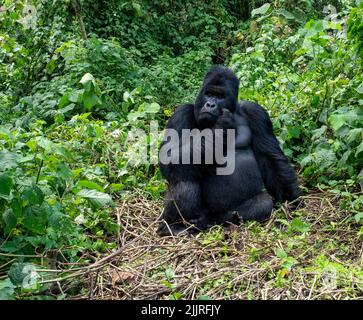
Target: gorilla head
(219,91)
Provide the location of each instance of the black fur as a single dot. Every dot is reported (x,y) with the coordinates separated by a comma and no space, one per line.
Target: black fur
(196,195)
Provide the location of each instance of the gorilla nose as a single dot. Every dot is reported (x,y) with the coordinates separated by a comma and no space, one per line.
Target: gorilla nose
(210,105)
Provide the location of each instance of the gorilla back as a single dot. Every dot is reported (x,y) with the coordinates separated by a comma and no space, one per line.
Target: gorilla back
(197,195)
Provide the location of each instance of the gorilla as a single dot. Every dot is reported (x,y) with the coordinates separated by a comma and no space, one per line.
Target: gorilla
(197,196)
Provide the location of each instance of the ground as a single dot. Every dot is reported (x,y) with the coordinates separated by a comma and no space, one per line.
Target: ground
(314,252)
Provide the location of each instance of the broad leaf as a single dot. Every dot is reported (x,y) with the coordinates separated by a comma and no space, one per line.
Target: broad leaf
(96,198)
(88,82)
(287,14)
(8,159)
(90,99)
(6,290)
(133,116)
(16,206)
(299,226)
(64,100)
(261,10)
(337,121)
(16,274)
(152,107)
(10,220)
(6,183)
(36,218)
(90,185)
(33,194)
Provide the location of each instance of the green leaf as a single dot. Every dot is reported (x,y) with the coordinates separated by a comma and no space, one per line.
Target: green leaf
(294,132)
(88,82)
(261,10)
(16,206)
(167,284)
(151,107)
(287,14)
(6,183)
(6,290)
(33,194)
(90,185)
(96,198)
(280,253)
(116,187)
(314,27)
(169,273)
(51,65)
(70,107)
(76,96)
(10,220)
(46,144)
(133,116)
(360,179)
(8,159)
(299,226)
(61,151)
(337,121)
(358,217)
(36,218)
(16,274)
(176,296)
(355,135)
(23,275)
(359,149)
(289,262)
(90,99)
(64,100)
(64,172)
(126,96)
(27,158)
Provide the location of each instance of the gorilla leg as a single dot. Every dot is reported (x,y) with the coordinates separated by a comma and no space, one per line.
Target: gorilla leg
(257,208)
(182,204)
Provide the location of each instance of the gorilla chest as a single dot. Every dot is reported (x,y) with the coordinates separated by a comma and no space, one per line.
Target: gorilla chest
(222,192)
(243,133)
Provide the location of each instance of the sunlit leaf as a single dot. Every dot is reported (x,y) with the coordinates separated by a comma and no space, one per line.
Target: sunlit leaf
(96,198)
(261,10)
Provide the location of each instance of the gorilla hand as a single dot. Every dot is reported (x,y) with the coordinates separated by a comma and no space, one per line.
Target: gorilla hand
(225,120)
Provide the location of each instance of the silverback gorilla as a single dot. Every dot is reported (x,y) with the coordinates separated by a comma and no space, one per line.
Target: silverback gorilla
(196,194)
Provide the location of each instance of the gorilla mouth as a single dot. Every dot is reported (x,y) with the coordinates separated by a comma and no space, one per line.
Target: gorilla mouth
(207,119)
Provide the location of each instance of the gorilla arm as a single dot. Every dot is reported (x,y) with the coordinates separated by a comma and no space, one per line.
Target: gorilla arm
(183,201)
(279,177)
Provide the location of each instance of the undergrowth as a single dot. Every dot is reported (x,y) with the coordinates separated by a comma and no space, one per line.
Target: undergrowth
(78,83)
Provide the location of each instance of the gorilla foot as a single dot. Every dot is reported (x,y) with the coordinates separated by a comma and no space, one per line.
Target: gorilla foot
(258,208)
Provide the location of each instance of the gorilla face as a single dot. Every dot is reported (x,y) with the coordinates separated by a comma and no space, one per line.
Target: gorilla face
(219,91)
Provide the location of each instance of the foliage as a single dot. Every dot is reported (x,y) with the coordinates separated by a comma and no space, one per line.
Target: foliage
(73,110)
(311,82)
(355,28)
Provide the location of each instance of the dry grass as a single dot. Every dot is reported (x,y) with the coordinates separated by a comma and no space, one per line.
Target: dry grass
(314,252)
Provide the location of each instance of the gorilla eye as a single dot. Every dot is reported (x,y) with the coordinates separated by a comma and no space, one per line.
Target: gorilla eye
(219,95)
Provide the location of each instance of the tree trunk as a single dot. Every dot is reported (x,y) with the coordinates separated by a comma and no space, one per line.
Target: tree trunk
(77,8)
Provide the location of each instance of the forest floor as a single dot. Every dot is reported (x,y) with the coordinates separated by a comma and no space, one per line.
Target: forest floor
(314,252)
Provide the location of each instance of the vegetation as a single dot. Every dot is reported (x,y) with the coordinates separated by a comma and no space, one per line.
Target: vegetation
(78,209)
